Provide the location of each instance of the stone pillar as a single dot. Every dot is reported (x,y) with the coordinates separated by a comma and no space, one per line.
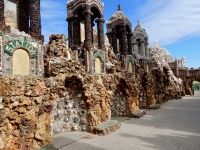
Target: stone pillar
(93,40)
(2,18)
(100,27)
(142,49)
(23,16)
(3,26)
(129,37)
(76,33)
(176,68)
(35,19)
(146,50)
(88,29)
(114,42)
(70,32)
(135,48)
(123,37)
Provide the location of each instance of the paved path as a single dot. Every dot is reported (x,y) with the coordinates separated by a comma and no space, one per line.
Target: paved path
(176,126)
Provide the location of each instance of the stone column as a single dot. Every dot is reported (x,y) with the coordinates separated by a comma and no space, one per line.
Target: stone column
(76,33)
(100,27)
(114,42)
(129,37)
(146,50)
(23,15)
(70,31)
(123,43)
(93,40)
(35,19)
(88,29)
(142,49)
(2,18)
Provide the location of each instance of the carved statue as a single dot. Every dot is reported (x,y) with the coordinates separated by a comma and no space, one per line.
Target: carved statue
(119,7)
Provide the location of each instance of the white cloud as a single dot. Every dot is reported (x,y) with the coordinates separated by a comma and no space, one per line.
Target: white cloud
(169,21)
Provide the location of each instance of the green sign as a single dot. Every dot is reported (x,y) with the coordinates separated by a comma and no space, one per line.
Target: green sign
(20,43)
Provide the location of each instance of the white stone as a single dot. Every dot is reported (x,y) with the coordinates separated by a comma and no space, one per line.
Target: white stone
(15,104)
(1,106)
(1,99)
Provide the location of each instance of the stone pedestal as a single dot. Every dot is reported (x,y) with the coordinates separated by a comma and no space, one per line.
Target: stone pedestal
(106,127)
(137,114)
(155,106)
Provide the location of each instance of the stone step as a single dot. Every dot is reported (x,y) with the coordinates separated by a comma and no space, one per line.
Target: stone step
(106,127)
(138,114)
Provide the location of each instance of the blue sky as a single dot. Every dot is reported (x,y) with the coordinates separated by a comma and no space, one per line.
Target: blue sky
(174,23)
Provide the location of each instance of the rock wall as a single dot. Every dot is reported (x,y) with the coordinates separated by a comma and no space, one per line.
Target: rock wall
(25,105)
(97,91)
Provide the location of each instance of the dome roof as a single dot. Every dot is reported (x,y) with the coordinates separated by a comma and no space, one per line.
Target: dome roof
(139,33)
(119,17)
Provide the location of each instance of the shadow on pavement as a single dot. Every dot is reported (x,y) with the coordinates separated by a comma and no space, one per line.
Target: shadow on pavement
(166,142)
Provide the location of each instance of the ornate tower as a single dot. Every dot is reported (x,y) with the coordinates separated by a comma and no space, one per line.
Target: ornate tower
(140,46)
(89,12)
(119,28)
(140,42)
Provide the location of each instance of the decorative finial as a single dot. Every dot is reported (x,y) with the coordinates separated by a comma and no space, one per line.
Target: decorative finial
(119,7)
(138,21)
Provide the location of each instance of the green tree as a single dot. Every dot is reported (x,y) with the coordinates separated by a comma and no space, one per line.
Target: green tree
(196,86)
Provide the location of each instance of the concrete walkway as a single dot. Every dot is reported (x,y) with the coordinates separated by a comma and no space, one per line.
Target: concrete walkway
(176,126)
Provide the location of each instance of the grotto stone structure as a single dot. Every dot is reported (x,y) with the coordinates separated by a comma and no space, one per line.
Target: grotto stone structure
(56,87)
(89,12)
(119,33)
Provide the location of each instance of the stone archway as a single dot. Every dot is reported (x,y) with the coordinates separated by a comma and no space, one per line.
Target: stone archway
(21,62)
(97,65)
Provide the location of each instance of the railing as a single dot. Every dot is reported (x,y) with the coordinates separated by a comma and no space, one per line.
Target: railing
(182,72)
(194,72)
(172,65)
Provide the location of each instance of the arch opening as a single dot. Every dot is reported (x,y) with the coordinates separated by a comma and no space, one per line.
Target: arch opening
(130,67)
(21,62)
(98,65)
